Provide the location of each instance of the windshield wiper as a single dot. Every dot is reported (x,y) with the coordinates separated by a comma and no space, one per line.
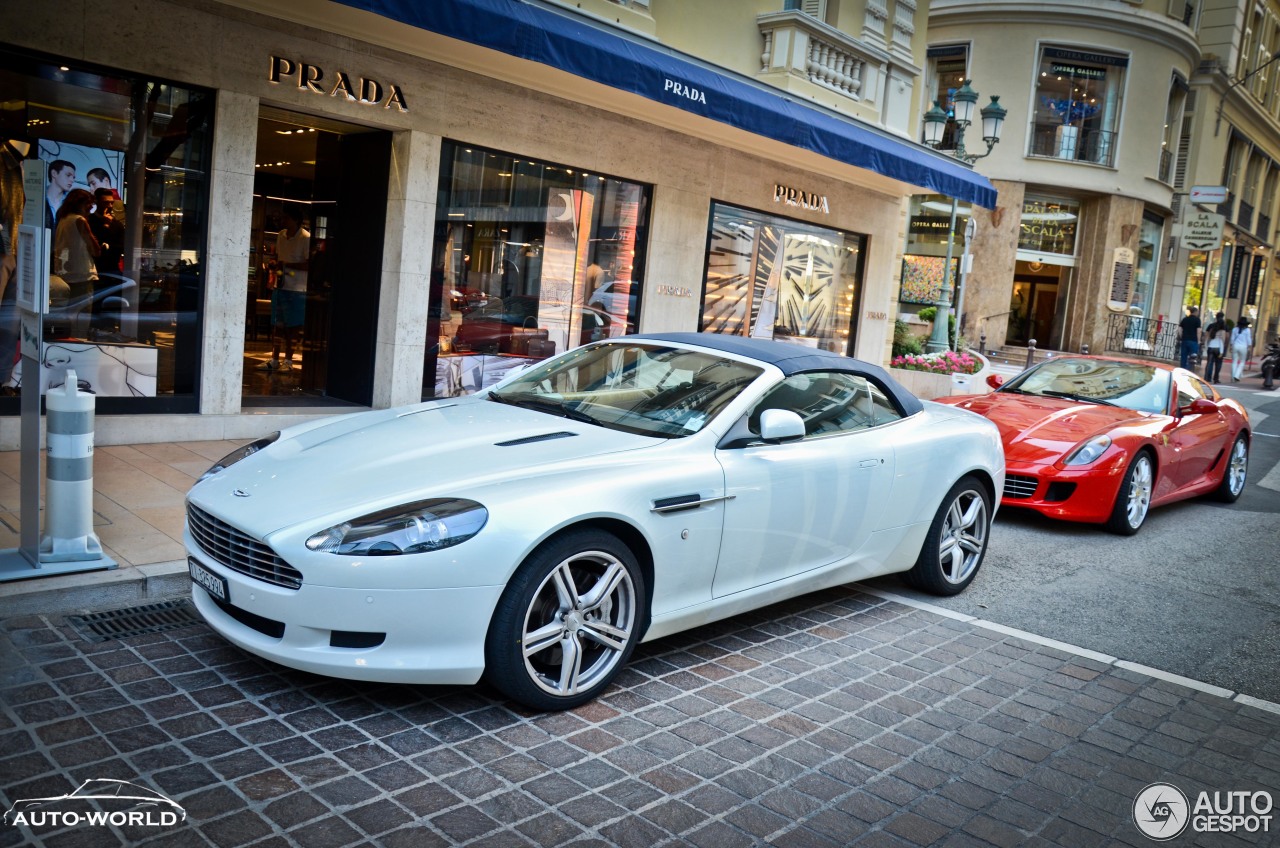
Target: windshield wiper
(545,404)
(1081,398)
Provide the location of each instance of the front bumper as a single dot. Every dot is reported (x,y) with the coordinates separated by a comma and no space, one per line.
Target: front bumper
(1084,493)
(428,636)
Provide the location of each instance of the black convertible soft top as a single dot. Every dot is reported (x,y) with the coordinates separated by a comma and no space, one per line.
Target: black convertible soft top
(791,359)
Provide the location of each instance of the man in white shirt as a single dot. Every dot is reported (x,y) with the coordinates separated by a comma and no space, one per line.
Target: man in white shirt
(289,299)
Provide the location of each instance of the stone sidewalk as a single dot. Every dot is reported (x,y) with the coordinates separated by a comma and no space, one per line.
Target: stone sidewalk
(841,718)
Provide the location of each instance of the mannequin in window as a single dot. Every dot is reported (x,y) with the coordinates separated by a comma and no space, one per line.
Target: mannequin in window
(289,298)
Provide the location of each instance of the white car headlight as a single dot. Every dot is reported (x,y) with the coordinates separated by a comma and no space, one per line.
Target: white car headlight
(1089,451)
(410,529)
(239,454)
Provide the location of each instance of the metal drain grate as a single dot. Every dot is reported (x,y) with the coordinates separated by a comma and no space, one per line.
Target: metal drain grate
(134,621)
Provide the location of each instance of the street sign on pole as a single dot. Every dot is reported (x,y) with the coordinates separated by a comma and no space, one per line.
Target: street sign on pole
(1201,230)
(1208,194)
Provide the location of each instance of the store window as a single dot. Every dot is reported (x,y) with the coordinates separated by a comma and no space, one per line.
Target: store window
(531,259)
(1148,264)
(775,278)
(1049,226)
(128,319)
(1077,105)
(928,231)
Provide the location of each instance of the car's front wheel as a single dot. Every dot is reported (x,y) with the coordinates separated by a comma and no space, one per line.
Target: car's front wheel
(566,623)
(1134,498)
(957,540)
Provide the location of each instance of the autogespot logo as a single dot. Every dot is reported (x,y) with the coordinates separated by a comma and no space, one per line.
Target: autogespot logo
(98,803)
(1160,811)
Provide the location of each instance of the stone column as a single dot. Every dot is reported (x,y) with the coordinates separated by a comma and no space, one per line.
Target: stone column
(406,269)
(677,255)
(989,287)
(1108,221)
(226,289)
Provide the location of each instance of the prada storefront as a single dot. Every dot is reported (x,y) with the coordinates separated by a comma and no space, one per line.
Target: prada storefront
(300,221)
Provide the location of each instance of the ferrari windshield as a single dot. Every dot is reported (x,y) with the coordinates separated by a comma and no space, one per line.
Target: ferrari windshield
(1132,385)
(650,389)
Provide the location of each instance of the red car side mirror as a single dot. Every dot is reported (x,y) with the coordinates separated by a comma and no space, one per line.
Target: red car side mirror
(1200,406)
(995,381)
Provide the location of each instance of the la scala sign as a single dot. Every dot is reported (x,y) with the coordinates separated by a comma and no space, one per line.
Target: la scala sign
(365,90)
(1201,230)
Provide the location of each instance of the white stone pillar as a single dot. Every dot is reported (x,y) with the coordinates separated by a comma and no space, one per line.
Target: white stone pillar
(406,269)
(226,263)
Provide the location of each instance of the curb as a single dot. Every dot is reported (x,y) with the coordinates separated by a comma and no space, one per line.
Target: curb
(95,590)
(1197,685)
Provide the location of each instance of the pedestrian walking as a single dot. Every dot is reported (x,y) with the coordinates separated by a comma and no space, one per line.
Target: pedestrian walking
(1215,345)
(1190,329)
(1241,341)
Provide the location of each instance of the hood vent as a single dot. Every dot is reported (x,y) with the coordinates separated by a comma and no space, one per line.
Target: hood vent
(528,440)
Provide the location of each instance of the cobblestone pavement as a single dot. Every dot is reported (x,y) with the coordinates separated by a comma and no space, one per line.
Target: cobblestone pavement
(836,719)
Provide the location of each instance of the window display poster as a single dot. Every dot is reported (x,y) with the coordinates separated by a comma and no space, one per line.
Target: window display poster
(922,278)
(92,167)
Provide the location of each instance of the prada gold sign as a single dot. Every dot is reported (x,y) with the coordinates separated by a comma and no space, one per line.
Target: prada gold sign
(804,199)
(356,90)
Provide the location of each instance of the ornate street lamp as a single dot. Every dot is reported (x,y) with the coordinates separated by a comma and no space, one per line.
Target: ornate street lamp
(963,103)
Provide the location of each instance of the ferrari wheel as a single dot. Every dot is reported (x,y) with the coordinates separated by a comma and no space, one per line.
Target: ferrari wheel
(957,541)
(566,623)
(1133,501)
(1233,476)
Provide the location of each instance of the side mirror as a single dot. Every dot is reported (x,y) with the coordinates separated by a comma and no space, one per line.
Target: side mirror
(1200,406)
(995,381)
(780,425)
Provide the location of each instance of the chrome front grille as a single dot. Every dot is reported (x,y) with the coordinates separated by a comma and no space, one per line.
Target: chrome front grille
(240,552)
(1018,486)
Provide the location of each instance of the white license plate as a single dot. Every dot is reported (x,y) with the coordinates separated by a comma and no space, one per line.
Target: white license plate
(214,584)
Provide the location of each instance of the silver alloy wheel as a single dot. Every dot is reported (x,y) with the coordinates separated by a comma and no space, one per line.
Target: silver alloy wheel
(579,623)
(1239,466)
(964,536)
(1138,498)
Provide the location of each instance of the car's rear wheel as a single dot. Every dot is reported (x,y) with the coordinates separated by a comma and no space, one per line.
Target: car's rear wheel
(566,623)
(1133,501)
(957,540)
(1233,476)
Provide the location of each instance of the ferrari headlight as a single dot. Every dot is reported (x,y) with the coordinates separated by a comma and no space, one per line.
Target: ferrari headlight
(1089,451)
(410,529)
(239,454)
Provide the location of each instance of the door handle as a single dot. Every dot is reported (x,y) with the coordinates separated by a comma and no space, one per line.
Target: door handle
(870,463)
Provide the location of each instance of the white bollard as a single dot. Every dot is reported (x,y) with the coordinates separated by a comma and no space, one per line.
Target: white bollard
(68,524)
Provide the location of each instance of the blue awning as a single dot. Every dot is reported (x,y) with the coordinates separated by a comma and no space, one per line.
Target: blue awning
(541,35)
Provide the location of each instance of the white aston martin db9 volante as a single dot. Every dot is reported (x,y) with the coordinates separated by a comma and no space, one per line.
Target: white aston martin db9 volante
(533,533)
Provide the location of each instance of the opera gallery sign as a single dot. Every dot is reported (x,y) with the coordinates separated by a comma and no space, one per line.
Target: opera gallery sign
(308,77)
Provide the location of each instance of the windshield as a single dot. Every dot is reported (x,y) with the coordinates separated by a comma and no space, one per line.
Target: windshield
(1131,385)
(641,388)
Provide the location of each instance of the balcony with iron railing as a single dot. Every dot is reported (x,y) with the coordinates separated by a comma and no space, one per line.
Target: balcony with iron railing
(1244,217)
(797,46)
(1054,140)
(1134,335)
(1165,174)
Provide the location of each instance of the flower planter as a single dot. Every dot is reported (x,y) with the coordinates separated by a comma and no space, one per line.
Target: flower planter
(928,385)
